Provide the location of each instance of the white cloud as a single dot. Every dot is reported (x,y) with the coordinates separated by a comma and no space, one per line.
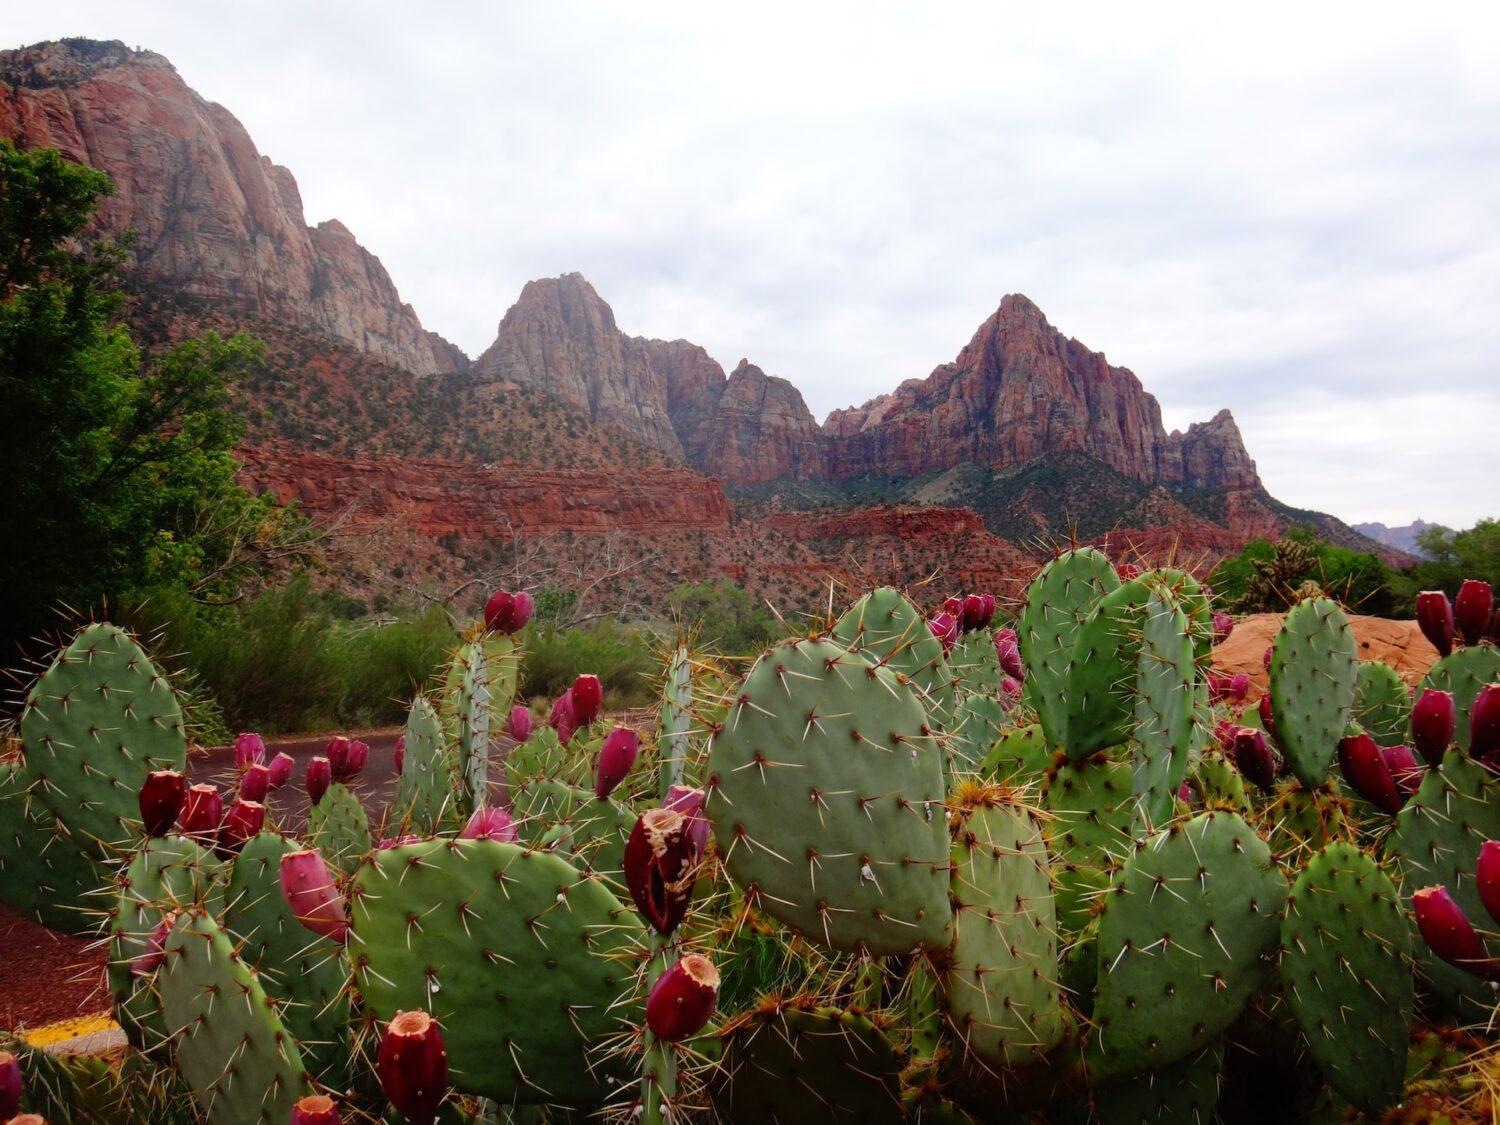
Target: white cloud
(1289,210)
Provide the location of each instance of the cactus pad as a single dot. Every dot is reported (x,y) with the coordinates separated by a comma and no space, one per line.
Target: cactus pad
(888,631)
(470,687)
(676,718)
(1182,1093)
(1463,673)
(1019,757)
(977,722)
(1060,598)
(562,817)
(338,827)
(1164,698)
(1382,705)
(520,957)
(44,873)
(1101,676)
(826,792)
(424,791)
(1346,968)
(1183,941)
(1091,809)
(1314,670)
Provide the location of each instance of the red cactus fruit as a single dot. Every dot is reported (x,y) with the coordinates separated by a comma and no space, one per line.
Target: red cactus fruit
(1228,689)
(616,757)
(588,697)
(359,757)
(1224,733)
(490,824)
(1128,571)
(338,756)
(255,782)
(563,718)
(519,723)
(689,802)
(1010,692)
(525,607)
(1449,934)
(1265,657)
(1484,724)
(954,607)
(944,626)
(1435,619)
(319,775)
(10,1084)
(1432,722)
(1223,626)
(398,754)
(1267,719)
(1185,793)
(202,810)
(242,822)
(683,999)
(988,605)
(1406,771)
(315,1109)
(1008,652)
(1473,609)
(1487,877)
(148,960)
(659,863)
(313,896)
(249,750)
(396,842)
(281,770)
(413,1066)
(499,611)
(1366,771)
(973,617)
(1254,757)
(161,798)
(27,1119)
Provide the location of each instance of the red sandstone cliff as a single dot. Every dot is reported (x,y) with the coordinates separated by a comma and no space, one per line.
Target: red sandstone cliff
(213,217)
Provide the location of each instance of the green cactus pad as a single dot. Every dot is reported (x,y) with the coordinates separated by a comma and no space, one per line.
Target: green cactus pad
(521,958)
(1092,810)
(307,973)
(975,664)
(1297,822)
(888,631)
(1060,598)
(473,714)
(1435,842)
(542,756)
(1020,757)
(592,832)
(338,827)
(1001,987)
(502,665)
(1181,1093)
(242,1064)
(1219,784)
(676,719)
(44,873)
(1187,591)
(1314,670)
(97,722)
(826,794)
(1382,705)
(790,1066)
(1183,941)
(424,791)
(1463,673)
(1346,972)
(1100,688)
(1164,699)
(976,726)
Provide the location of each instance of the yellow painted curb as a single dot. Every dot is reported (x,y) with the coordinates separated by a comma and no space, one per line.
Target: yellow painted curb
(75,1028)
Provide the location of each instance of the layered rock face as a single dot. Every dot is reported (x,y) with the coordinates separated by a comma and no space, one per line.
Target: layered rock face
(212,216)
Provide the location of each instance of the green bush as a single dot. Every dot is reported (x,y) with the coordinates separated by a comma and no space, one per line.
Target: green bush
(1267,577)
(726,617)
(1452,557)
(620,655)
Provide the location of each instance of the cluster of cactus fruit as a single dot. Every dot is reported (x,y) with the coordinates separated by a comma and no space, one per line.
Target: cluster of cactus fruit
(911,865)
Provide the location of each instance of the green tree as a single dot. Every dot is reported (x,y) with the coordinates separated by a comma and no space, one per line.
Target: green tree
(1453,556)
(1269,577)
(119,468)
(726,616)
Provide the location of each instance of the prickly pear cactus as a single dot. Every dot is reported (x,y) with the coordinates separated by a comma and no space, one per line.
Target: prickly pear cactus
(472,702)
(1435,842)
(1187,591)
(1019,757)
(1164,696)
(676,718)
(1186,1091)
(1100,688)
(1463,673)
(303,971)
(888,631)
(338,827)
(542,757)
(424,791)
(1060,598)
(243,1066)
(501,654)
(1297,821)
(521,958)
(97,722)
(1219,784)
(1346,972)
(1091,811)
(46,874)
(802,1063)
(1001,990)
(560,817)
(1314,669)
(825,790)
(1382,705)
(975,665)
(976,726)
(1183,942)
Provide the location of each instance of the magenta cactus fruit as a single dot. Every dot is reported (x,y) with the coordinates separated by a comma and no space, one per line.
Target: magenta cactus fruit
(1265,657)
(319,775)
(616,757)
(280,770)
(242,822)
(148,960)
(1255,758)
(1473,609)
(1432,723)
(1267,718)
(588,697)
(1010,692)
(519,723)
(10,1084)
(396,842)
(683,998)
(1365,769)
(315,1109)
(987,605)
(161,798)
(1223,626)
(689,802)
(522,612)
(1008,653)
(413,1066)
(313,896)
(1128,571)
(499,611)
(1487,878)
(954,607)
(202,810)
(359,757)
(660,859)
(490,824)
(255,782)
(973,615)
(337,753)
(1435,619)
(563,718)
(1228,689)
(1484,724)
(1406,771)
(1224,735)
(944,626)
(398,754)
(249,750)
(1449,934)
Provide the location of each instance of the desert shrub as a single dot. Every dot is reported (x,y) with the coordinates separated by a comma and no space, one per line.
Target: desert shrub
(1452,557)
(1269,577)
(727,617)
(620,655)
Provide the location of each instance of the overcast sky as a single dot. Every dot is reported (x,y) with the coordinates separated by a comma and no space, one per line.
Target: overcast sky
(1290,211)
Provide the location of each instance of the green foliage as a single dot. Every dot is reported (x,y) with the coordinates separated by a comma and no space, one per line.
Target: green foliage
(1452,557)
(1266,577)
(619,655)
(726,616)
